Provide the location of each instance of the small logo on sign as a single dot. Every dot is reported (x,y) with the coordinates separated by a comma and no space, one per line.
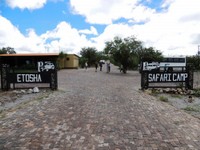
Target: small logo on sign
(45,66)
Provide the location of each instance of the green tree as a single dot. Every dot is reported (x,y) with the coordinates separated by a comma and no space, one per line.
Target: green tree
(62,55)
(89,54)
(149,54)
(101,55)
(129,52)
(61,60)
(123,51)
(194,61)
(7,50)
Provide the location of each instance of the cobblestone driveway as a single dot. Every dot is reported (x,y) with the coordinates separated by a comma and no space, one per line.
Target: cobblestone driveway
(98,111)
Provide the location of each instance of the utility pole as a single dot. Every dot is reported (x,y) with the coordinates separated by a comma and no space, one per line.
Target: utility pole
(198,50)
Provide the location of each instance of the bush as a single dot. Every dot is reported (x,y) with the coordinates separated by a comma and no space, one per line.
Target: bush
(163,99)
(189,108)
(197,92)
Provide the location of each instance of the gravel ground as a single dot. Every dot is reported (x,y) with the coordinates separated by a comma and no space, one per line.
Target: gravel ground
(182,102)
(14,98)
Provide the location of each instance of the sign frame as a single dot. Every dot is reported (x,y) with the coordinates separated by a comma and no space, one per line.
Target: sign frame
(45,75)
(185,78)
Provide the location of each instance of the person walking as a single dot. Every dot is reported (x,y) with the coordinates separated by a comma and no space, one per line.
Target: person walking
(100,65)
(96,66)
(86,65)
(108,66)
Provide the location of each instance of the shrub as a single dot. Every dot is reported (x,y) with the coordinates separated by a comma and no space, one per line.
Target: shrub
(163,99)
(197,92)
(189,108)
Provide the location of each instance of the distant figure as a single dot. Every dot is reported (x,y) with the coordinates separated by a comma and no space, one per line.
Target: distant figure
(100,65)
(96,66)
(121,68)
(86,65)
(108,66)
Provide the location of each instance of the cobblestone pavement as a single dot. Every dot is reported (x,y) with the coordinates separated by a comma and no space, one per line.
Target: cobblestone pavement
(98,111)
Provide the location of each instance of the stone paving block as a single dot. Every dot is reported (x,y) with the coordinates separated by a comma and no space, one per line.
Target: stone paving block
(98,111)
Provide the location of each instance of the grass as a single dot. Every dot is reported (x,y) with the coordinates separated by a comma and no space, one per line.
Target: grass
(2,114)
(192,108)
(176,96)
(163,99)
(197,92)
(155,92)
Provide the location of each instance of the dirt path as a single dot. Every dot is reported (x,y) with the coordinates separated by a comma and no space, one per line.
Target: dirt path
(97,110)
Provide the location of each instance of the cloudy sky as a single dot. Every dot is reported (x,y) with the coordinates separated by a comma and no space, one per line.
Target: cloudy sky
(32,26)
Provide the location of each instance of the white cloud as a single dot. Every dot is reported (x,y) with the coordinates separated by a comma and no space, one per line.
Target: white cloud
(8,33)
(62,38)
(65,38)
(167,3)
(103,11)
(141,14)
(26,4)
(175,30)
(172,31)
(10,36)
(91,31)
(121,30)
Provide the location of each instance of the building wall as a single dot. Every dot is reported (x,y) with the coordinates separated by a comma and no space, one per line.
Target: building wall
(70,61)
